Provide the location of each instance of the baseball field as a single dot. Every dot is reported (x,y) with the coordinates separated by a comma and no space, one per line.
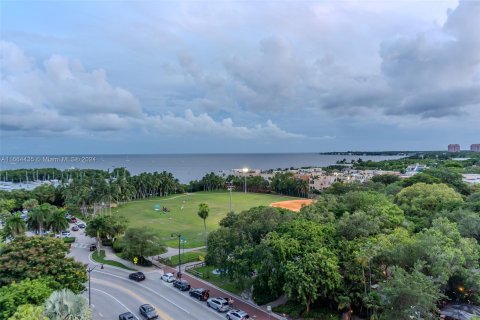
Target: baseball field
(178,213)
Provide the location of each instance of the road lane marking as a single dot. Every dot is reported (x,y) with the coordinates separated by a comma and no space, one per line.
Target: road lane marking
(100,314)
(152,291)
(108,294)
(138,297)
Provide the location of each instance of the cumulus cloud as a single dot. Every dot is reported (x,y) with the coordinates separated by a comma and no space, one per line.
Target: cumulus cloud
(434,71)
(268,81)
(63,97)
(430,74)
(59,96)
(205,124)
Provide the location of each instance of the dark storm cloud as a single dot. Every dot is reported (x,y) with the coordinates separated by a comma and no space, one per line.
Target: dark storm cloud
(433,73)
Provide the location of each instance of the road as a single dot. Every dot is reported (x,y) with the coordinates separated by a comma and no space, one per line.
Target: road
(112,293)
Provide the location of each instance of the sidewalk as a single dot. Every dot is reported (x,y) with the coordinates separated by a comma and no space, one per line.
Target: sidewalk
(174,251)
(110,255)
(255,312)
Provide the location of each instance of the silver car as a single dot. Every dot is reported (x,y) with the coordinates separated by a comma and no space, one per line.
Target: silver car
(237,315)
(219,304)
(168,277)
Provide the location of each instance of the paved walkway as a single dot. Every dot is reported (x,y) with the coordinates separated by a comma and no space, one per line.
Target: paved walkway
(255,312)
(174,251)
(110,255)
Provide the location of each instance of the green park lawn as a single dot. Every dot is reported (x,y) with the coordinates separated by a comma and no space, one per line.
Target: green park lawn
(182,217)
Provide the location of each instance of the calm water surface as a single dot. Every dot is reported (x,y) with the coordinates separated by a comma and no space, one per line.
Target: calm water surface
(185,167)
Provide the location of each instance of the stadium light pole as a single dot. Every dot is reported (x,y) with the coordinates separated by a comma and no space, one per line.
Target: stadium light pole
(230,187)
(245,170)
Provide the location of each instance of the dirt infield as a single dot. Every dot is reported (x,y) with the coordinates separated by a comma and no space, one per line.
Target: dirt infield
(294,205)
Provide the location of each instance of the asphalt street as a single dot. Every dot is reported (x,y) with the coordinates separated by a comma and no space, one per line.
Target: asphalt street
(112,293)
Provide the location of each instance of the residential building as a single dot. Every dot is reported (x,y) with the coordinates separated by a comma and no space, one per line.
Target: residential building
(471,178)
(453,148)
(414,169)
(475,147)
(320,182)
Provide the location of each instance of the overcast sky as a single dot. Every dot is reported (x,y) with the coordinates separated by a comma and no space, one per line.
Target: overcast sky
(229,76)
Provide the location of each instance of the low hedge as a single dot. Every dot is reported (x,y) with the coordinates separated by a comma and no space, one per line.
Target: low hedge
(69,239)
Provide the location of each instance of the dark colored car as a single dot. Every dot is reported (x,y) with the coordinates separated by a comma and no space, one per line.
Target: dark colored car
(93,247)
(148,311)
(75,228)
(200,294)
(73,220)
(81,225)
(127,316)
(182,285)
(137,276)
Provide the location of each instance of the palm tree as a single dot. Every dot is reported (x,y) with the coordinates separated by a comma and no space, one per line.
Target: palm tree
(203,211)
(30,204)
(66,305)
(37,218)
(57,221)
(14,226)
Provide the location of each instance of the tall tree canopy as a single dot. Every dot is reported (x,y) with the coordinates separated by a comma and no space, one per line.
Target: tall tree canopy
(35,257)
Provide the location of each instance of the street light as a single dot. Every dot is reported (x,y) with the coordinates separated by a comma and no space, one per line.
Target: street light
(89,270)
(179,257)
(245,170)
(230,188)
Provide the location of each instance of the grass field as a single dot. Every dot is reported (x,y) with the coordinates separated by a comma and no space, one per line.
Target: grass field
(183,217)
(187,257)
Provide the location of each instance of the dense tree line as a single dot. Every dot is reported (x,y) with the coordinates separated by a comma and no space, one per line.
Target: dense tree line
(431,159)
(377,249)
(90,191)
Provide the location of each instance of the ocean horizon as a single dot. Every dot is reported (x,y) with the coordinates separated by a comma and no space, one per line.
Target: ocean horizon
(185,167)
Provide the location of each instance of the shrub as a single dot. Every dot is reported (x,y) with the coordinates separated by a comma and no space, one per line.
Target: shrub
(117,246)
(69,239)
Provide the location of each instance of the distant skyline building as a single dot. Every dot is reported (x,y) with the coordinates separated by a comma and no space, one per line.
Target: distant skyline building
(454,148)
(475,147)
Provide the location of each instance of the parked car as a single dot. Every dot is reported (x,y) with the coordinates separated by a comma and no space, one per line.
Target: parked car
(75,228)
(148,311)
(127,316)
(182,285)
(65,233)
(137,276)
(81,225)
(200,294)
(219,304)
(73,220)
(237,315)
(68,216)
(168,277)
(93,247)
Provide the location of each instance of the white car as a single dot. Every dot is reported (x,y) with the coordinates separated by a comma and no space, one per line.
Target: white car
(168,277)
(237,315)
(219,304)
(65,233)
